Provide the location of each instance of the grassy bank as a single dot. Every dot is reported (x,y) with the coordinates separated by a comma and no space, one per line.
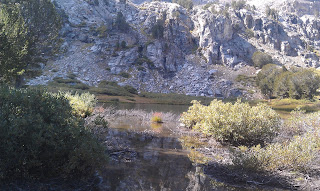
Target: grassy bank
(110,92)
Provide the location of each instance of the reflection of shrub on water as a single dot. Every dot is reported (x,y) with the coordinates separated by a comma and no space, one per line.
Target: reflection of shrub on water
(110,113)
(156,118)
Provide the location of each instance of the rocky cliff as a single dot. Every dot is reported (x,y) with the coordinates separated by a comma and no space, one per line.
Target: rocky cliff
(163,47)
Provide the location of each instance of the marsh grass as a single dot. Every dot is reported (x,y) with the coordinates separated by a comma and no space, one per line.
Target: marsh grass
(292,104)
(175,99)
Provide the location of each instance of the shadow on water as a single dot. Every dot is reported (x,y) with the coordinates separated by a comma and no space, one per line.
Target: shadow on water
(151,162)
(151,158)
(228,178)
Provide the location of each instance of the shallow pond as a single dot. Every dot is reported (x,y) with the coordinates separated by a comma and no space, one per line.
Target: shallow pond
(150,157)
(176,109)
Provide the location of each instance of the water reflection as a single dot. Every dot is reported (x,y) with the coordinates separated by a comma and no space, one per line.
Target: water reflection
(149,157)
(176,109)
(160,162)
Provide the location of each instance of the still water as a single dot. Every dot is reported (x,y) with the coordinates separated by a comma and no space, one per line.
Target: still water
(176,109)
(150,157)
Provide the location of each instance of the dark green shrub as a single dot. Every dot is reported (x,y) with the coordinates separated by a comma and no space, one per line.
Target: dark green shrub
(123,44)
(72,76)
(281,85)
(92,2)
(41,138)
(304,84)
(103,31)
(245,80)
(82,86)
(28,28)
(297,83)
(108,83)
(121,23)
(157,30)
(266,78)
(260,59)
(111,88)
(131,89)
(65,81)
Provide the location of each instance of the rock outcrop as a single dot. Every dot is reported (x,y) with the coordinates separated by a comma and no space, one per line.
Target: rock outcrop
(166,48)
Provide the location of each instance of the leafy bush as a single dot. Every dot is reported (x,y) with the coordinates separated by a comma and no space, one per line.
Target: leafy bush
(131,89)
(296,154)
(238,124)
(157,30)
(82,104)
(298,151)
(113,89)
(14,46)
(121,23)
(297,84)
(41,138)
(266,78)
(70,83)
(260,59)
(304,84)
(281,85)
(141,68)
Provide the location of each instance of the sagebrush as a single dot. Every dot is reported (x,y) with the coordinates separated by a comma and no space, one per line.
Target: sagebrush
(238,123)
(297,153)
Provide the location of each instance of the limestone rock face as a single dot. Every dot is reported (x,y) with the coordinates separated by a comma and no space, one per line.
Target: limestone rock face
(167,48)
